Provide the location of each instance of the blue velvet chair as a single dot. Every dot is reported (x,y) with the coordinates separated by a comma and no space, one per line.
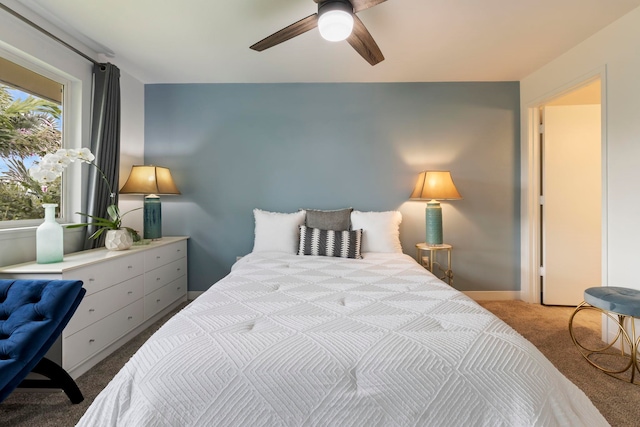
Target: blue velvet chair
(33,314)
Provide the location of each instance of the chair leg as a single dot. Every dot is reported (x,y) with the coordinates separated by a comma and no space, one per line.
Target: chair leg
(58,378)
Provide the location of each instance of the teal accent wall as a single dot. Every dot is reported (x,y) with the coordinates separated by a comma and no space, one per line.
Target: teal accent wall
(280,147)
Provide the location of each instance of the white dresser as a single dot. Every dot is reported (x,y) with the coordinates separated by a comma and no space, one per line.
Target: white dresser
(126,292)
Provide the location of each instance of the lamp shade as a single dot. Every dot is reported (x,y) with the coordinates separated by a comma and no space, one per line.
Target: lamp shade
(435,185)
(335,21)
(431,187)
(149,180)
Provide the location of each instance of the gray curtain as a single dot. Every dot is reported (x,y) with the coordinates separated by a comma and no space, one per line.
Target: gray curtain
(105,144)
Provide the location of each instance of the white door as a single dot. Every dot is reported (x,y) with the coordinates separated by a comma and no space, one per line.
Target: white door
(572,203)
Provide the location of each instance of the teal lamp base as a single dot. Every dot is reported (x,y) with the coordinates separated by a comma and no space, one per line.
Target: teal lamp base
(152,213)
(433,215)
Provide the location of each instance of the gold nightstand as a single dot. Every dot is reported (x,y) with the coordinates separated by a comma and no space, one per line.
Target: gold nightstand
(431,260)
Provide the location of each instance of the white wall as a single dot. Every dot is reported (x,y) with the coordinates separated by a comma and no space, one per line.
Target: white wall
(18,40)
(615,48)
(131,144)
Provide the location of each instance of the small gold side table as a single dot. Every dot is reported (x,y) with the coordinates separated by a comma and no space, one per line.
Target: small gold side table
(431,261)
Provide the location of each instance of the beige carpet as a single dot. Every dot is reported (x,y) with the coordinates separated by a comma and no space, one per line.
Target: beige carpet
(545,327)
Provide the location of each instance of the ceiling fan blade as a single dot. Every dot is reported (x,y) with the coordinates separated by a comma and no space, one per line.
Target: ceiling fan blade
(361,40)
(359,5)
(293,30)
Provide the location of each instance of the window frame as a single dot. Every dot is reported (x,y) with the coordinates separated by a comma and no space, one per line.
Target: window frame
(71,191)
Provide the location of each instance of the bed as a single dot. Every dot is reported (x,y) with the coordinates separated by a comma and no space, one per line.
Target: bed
(290,340)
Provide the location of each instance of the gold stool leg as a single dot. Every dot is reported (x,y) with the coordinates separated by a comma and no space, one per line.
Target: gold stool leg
(633,349)
(622,334)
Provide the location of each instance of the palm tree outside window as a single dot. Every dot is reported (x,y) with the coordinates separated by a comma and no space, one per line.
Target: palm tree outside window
(30,127)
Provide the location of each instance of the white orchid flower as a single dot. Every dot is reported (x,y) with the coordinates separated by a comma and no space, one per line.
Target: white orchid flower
(56,167)
(49,158)
(44,176)
(71,155)
(85,155)
(51,167)
(62,160)
(48,169)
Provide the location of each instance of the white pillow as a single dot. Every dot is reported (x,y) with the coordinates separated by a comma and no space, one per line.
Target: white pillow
(276,231)
(381,230)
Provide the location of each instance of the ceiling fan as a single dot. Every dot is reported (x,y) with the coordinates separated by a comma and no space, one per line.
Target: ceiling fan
(336,20)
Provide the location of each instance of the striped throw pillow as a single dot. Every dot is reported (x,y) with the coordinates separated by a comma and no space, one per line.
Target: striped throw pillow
(343,244)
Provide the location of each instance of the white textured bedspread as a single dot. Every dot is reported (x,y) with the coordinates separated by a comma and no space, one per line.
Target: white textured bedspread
(287,340)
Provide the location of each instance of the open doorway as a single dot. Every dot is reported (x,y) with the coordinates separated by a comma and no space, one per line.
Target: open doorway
(570,195)
(532,233)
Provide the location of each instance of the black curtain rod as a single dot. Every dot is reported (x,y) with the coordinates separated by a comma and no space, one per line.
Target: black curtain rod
(47,33)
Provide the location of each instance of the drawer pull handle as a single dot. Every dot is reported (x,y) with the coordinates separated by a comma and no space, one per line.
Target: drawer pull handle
(91,310)
(158,300)
(129,293)
(130,266)
(178,269)
(157,256)
(179,287)
(130,317)
(91,341)
(157,278)
(91,279)
(178,250)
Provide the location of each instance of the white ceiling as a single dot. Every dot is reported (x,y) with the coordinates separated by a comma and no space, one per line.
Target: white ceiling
(198,41)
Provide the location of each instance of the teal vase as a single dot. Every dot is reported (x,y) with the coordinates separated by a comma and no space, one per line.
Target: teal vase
(49,243)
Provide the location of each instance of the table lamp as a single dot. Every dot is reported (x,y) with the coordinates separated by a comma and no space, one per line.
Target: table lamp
(431,187)
(152,181)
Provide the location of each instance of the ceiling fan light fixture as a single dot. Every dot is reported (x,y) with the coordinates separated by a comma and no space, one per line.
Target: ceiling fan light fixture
(335,20)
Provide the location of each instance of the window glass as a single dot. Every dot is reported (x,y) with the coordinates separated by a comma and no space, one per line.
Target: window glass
(30,127)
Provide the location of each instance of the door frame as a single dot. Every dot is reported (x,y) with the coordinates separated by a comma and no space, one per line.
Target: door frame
(530,180)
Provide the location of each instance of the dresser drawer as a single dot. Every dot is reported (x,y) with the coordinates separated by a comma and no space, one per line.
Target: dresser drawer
(163,297)
(99,276)
(161,276)
(120,297)
(164,255)
(90,340)
(101,304)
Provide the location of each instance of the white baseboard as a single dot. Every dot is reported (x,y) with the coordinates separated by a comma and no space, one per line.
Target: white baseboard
(493,295)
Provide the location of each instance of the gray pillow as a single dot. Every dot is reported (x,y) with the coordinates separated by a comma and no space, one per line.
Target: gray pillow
(338,220)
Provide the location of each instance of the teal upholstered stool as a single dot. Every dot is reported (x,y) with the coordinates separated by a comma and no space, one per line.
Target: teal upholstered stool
(622,303)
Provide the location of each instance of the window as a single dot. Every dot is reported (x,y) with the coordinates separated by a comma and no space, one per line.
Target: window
(31,108)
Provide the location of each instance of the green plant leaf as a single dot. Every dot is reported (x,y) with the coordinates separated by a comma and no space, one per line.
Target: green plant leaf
(113,212)
(97,233)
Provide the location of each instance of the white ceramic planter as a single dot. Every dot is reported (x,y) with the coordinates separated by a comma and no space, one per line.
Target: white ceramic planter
(118,240)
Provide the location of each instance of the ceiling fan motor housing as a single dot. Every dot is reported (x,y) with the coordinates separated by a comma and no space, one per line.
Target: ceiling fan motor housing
(328,5)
